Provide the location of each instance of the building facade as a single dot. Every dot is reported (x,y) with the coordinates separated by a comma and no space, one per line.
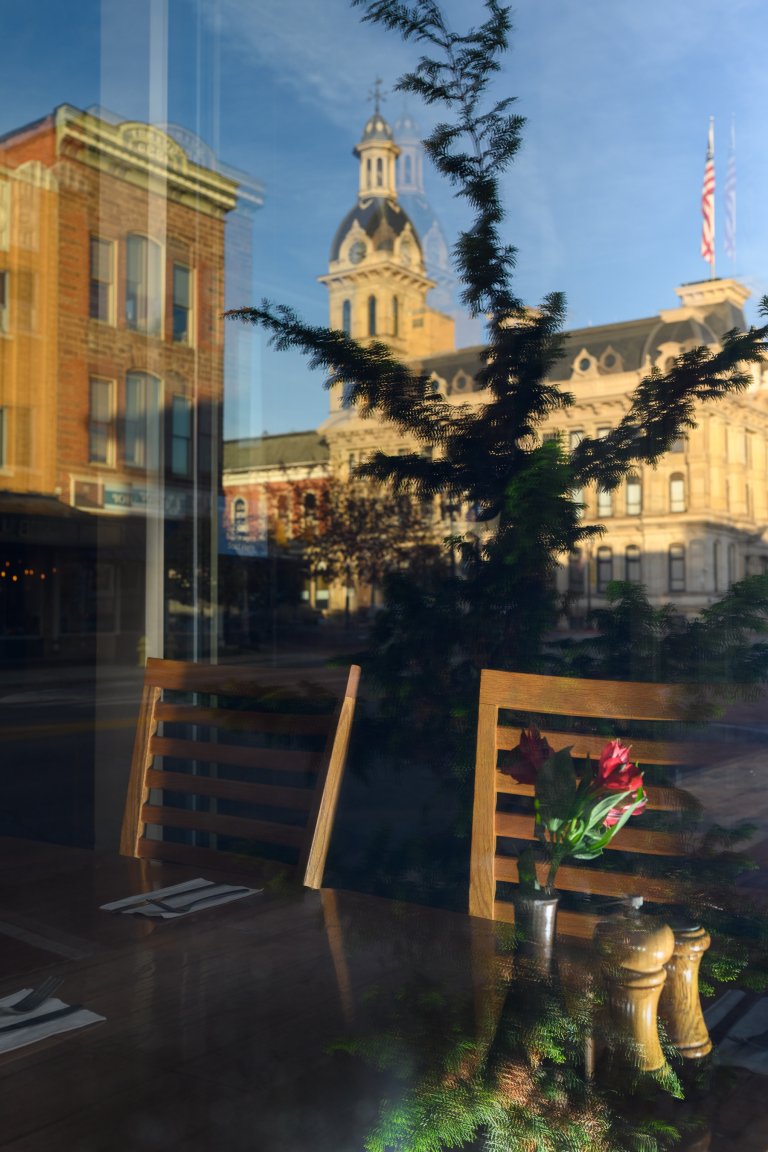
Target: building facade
(112,269)
(687,528)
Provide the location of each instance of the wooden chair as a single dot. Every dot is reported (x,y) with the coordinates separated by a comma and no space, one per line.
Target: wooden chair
(238,770)
(539,699)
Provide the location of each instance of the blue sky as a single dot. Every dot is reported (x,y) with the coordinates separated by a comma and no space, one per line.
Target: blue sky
(603,200)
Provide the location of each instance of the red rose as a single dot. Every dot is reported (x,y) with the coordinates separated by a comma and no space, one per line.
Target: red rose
(528,757)
(616,773)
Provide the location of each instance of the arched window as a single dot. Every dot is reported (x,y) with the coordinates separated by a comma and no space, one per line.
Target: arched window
(604,502)
(368,171)
(676,568)
(143,285)
(310,506)
(677,492)
(371,315)
(346,317)
(379,172)
(634,495)
(633,564)
(395,316)
(240,517)
(407,167)
(604,568)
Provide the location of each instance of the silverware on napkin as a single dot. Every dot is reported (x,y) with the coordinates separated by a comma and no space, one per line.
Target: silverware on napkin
(43,1018)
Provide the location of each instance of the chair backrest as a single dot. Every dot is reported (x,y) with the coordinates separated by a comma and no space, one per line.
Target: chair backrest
(546,700)
(230,763)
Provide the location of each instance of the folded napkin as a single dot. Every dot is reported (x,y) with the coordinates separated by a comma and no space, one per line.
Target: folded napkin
(179,899)
(48,1019)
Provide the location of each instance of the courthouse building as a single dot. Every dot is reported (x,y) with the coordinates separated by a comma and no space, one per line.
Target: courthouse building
(687,528)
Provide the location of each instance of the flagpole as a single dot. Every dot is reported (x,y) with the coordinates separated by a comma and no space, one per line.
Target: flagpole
(708,202)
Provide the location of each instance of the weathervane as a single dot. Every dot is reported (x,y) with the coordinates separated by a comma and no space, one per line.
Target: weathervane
(377,95)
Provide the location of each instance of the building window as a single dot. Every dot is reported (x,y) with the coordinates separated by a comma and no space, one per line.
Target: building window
(678,444)
(26,301)
(182,304)
(603,432)
(576,583)
(101,294)
(716,566)
(135,420)
(633,565)
(731,564)
(371,315)
(101,422)
(604,502)
(181,436)
(634,495)
(677,492)
(407,168)
(240,517)
(379,172)
(143,285)
(577,496)
(395,316)
(604,568)
(4,302)
(676,568)
(346,318)
(575,437)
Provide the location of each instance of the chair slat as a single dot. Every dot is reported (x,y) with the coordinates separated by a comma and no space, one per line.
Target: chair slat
(587,744)
(659,799)
(519,826)
(237,827)
(237,755)
(273,795)
(594,699)
(247,721)
(596,881)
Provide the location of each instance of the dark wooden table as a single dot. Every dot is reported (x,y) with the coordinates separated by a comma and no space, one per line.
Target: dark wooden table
(246,1026)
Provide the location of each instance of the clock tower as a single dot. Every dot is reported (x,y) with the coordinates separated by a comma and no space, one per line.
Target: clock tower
(376,279)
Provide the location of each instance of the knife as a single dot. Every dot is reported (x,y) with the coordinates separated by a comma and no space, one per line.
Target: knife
(31,1021)
(179,904)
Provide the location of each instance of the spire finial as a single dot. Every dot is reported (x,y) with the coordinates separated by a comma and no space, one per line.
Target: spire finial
(377,95)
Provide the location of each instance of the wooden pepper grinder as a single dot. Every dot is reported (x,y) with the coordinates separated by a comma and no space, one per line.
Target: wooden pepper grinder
(634,950)
(680,1004)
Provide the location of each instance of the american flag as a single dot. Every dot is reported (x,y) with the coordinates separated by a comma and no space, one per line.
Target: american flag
(708,199)
(730,198)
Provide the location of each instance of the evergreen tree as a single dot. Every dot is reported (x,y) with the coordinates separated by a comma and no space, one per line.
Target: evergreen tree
(489,456)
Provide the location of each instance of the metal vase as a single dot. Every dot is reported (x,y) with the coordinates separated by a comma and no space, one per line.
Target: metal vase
(536,922)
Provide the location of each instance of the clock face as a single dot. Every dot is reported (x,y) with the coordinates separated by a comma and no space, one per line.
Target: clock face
(357,252)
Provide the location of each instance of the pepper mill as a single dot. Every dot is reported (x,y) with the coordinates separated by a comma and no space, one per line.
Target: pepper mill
(680,1005)
(634,950)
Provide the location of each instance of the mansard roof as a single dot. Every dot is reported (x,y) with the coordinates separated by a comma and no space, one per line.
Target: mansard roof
(289,448)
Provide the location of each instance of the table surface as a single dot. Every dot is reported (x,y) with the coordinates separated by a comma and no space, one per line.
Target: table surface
(282,1021)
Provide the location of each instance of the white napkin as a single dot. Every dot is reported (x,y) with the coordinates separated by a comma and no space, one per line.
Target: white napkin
(18,1037)
(189,896)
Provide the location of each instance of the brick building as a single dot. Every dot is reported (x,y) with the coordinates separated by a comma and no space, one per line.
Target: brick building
(112,269)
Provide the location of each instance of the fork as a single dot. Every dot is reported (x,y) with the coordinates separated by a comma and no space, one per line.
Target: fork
(34,998)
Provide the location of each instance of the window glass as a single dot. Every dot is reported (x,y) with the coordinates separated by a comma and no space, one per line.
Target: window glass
(604,502)
(240,517)
(346,318)
(182,304)
(371,315)
(100,298)
(604,567)
(575,437)
(143,285)
(677,492)
(634,496)
(633,564)
(135,420)
(181,436)
(101,422)
(677,568)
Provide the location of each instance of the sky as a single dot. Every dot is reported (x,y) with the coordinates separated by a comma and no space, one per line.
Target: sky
(603,200)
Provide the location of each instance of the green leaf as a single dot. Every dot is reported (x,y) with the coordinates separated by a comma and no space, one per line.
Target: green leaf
(526,870)
(556,788)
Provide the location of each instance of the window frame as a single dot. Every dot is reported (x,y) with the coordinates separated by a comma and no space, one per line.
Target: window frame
(677,503)
(240,516)
(676,561)
(148,318)
(95,280)
(181,402)
(634,507)
(188,341)
(108,424)
(604,502)
(604,560)
(634,557)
